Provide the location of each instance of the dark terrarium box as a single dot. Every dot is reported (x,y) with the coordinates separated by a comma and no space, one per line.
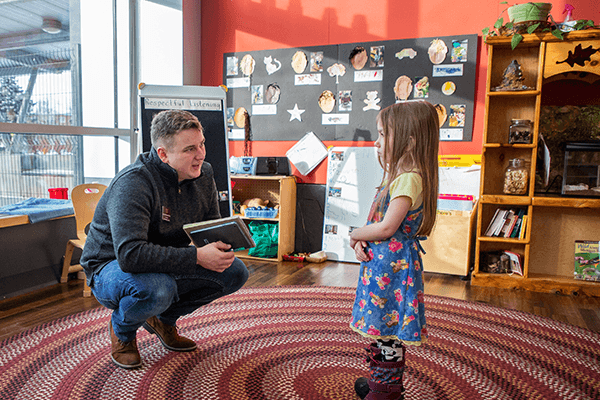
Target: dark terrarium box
(581,176)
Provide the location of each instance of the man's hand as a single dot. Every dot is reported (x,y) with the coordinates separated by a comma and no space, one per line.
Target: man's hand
(215,256)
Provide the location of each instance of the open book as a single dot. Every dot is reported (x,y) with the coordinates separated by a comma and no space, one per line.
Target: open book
(230,230)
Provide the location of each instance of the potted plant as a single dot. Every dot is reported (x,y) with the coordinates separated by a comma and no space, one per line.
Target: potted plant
(529,18)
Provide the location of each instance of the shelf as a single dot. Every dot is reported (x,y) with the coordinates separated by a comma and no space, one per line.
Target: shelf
(515,146)
(520,93)
(537,38)
(498,239)
(276,219)
(505,200)
(571,202)
(538,283)
(554,222)
(278,190)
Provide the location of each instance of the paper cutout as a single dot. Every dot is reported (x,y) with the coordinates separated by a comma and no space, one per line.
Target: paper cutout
(299,62)
(247,65)
(407,52)
(296,113)
(358,57)
(372,101)
(448,88)
(437,51)
(337,70)
(271,64)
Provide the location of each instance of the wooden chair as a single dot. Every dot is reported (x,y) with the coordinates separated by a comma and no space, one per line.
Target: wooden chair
(85,197)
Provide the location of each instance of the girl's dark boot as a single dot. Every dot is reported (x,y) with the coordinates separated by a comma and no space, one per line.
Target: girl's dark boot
(385,380)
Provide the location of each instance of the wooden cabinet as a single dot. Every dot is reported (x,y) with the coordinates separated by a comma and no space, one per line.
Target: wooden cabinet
(554,222)
(279,190)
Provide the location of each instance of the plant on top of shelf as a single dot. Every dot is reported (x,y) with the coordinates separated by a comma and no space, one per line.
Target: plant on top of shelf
(533,17)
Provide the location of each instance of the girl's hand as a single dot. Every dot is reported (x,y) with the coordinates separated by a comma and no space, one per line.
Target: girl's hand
(359,250)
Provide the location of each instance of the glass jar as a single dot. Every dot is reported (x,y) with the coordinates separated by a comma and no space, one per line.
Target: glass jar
(516,177)
(520,131)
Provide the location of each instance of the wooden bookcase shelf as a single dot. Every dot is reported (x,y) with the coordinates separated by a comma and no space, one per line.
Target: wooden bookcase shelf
(279,190)
(554,222)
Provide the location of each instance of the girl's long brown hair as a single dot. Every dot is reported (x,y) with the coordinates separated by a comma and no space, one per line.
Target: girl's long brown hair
(411,131)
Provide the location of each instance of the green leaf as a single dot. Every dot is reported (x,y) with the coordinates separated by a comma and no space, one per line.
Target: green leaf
(516,39)
(485,31)
(509,25)
(504,2)
(498,24)
(558,33)
(532,28)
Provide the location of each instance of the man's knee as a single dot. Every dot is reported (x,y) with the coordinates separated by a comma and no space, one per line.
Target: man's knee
(161,291)
(240,275)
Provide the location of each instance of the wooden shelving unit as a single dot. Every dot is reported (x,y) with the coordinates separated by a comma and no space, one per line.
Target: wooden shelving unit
(555,222)
(279,190)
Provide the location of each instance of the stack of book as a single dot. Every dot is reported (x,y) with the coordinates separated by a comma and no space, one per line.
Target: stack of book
(508,223)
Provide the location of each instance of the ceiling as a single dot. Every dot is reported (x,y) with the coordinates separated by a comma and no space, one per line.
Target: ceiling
(22,39)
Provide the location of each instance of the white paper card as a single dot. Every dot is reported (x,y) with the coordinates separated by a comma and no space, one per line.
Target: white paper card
(335,119)
(451,134)
(264,109)
(368,76)
(307,79)
(307,153)
(237,134)
(448,70)
(238,82)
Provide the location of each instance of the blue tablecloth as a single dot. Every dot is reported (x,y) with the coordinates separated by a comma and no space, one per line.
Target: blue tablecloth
(39,209)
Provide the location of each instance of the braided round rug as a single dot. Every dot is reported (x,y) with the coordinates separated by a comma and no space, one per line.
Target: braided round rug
(293,342)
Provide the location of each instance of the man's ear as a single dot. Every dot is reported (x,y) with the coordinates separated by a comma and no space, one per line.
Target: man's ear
(162,154)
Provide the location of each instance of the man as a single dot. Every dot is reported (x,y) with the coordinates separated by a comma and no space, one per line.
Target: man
(137,257)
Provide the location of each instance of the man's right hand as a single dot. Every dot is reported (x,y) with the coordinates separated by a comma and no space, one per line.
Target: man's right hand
(215,256)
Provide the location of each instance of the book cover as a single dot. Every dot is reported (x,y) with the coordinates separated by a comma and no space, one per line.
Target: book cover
(523,227)
(508,220)
(587,257)
(515,262)
(230,230)
(490,229)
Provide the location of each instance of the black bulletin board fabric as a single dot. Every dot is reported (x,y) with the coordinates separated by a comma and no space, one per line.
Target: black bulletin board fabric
(361,126)
(217,152)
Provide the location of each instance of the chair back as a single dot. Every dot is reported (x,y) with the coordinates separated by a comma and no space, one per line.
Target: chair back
(85,198)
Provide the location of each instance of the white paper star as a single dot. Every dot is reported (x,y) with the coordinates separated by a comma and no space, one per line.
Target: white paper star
(296,113)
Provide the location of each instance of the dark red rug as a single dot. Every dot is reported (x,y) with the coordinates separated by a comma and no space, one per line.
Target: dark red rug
(293,342)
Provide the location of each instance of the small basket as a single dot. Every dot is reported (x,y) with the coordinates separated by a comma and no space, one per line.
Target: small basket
(261,213)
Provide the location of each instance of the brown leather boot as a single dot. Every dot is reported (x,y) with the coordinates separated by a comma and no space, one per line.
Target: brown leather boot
(125,355)
(168,335)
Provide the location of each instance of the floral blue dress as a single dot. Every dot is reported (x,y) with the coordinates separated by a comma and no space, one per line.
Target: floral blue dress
(389,296)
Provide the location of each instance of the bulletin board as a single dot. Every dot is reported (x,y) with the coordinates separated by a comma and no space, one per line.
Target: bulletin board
(208,105)
(336,91)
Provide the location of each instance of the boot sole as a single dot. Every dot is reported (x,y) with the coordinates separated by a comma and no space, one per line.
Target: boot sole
(125,366)
(180,349)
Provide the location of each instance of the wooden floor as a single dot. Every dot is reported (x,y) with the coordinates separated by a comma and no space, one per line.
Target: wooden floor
(23,312)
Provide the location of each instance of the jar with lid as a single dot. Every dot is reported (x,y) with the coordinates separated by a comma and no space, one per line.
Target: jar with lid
(516,177)
(520,131)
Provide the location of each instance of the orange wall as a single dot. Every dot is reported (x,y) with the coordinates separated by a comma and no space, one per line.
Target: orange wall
(250,25)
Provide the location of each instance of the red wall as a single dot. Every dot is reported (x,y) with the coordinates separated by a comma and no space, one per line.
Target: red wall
(249,25)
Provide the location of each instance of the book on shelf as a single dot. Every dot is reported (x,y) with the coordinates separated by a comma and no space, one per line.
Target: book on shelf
(509,221)
(230,230)
(496,223)
(516,229)
(523,227)
(515,262)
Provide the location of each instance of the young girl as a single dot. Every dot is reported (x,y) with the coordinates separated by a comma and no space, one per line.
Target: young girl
(389,298)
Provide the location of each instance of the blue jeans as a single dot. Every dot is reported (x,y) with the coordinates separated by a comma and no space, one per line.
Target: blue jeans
(136,297)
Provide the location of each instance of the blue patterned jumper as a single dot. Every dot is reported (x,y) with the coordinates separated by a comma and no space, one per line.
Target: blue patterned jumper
(389,296)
